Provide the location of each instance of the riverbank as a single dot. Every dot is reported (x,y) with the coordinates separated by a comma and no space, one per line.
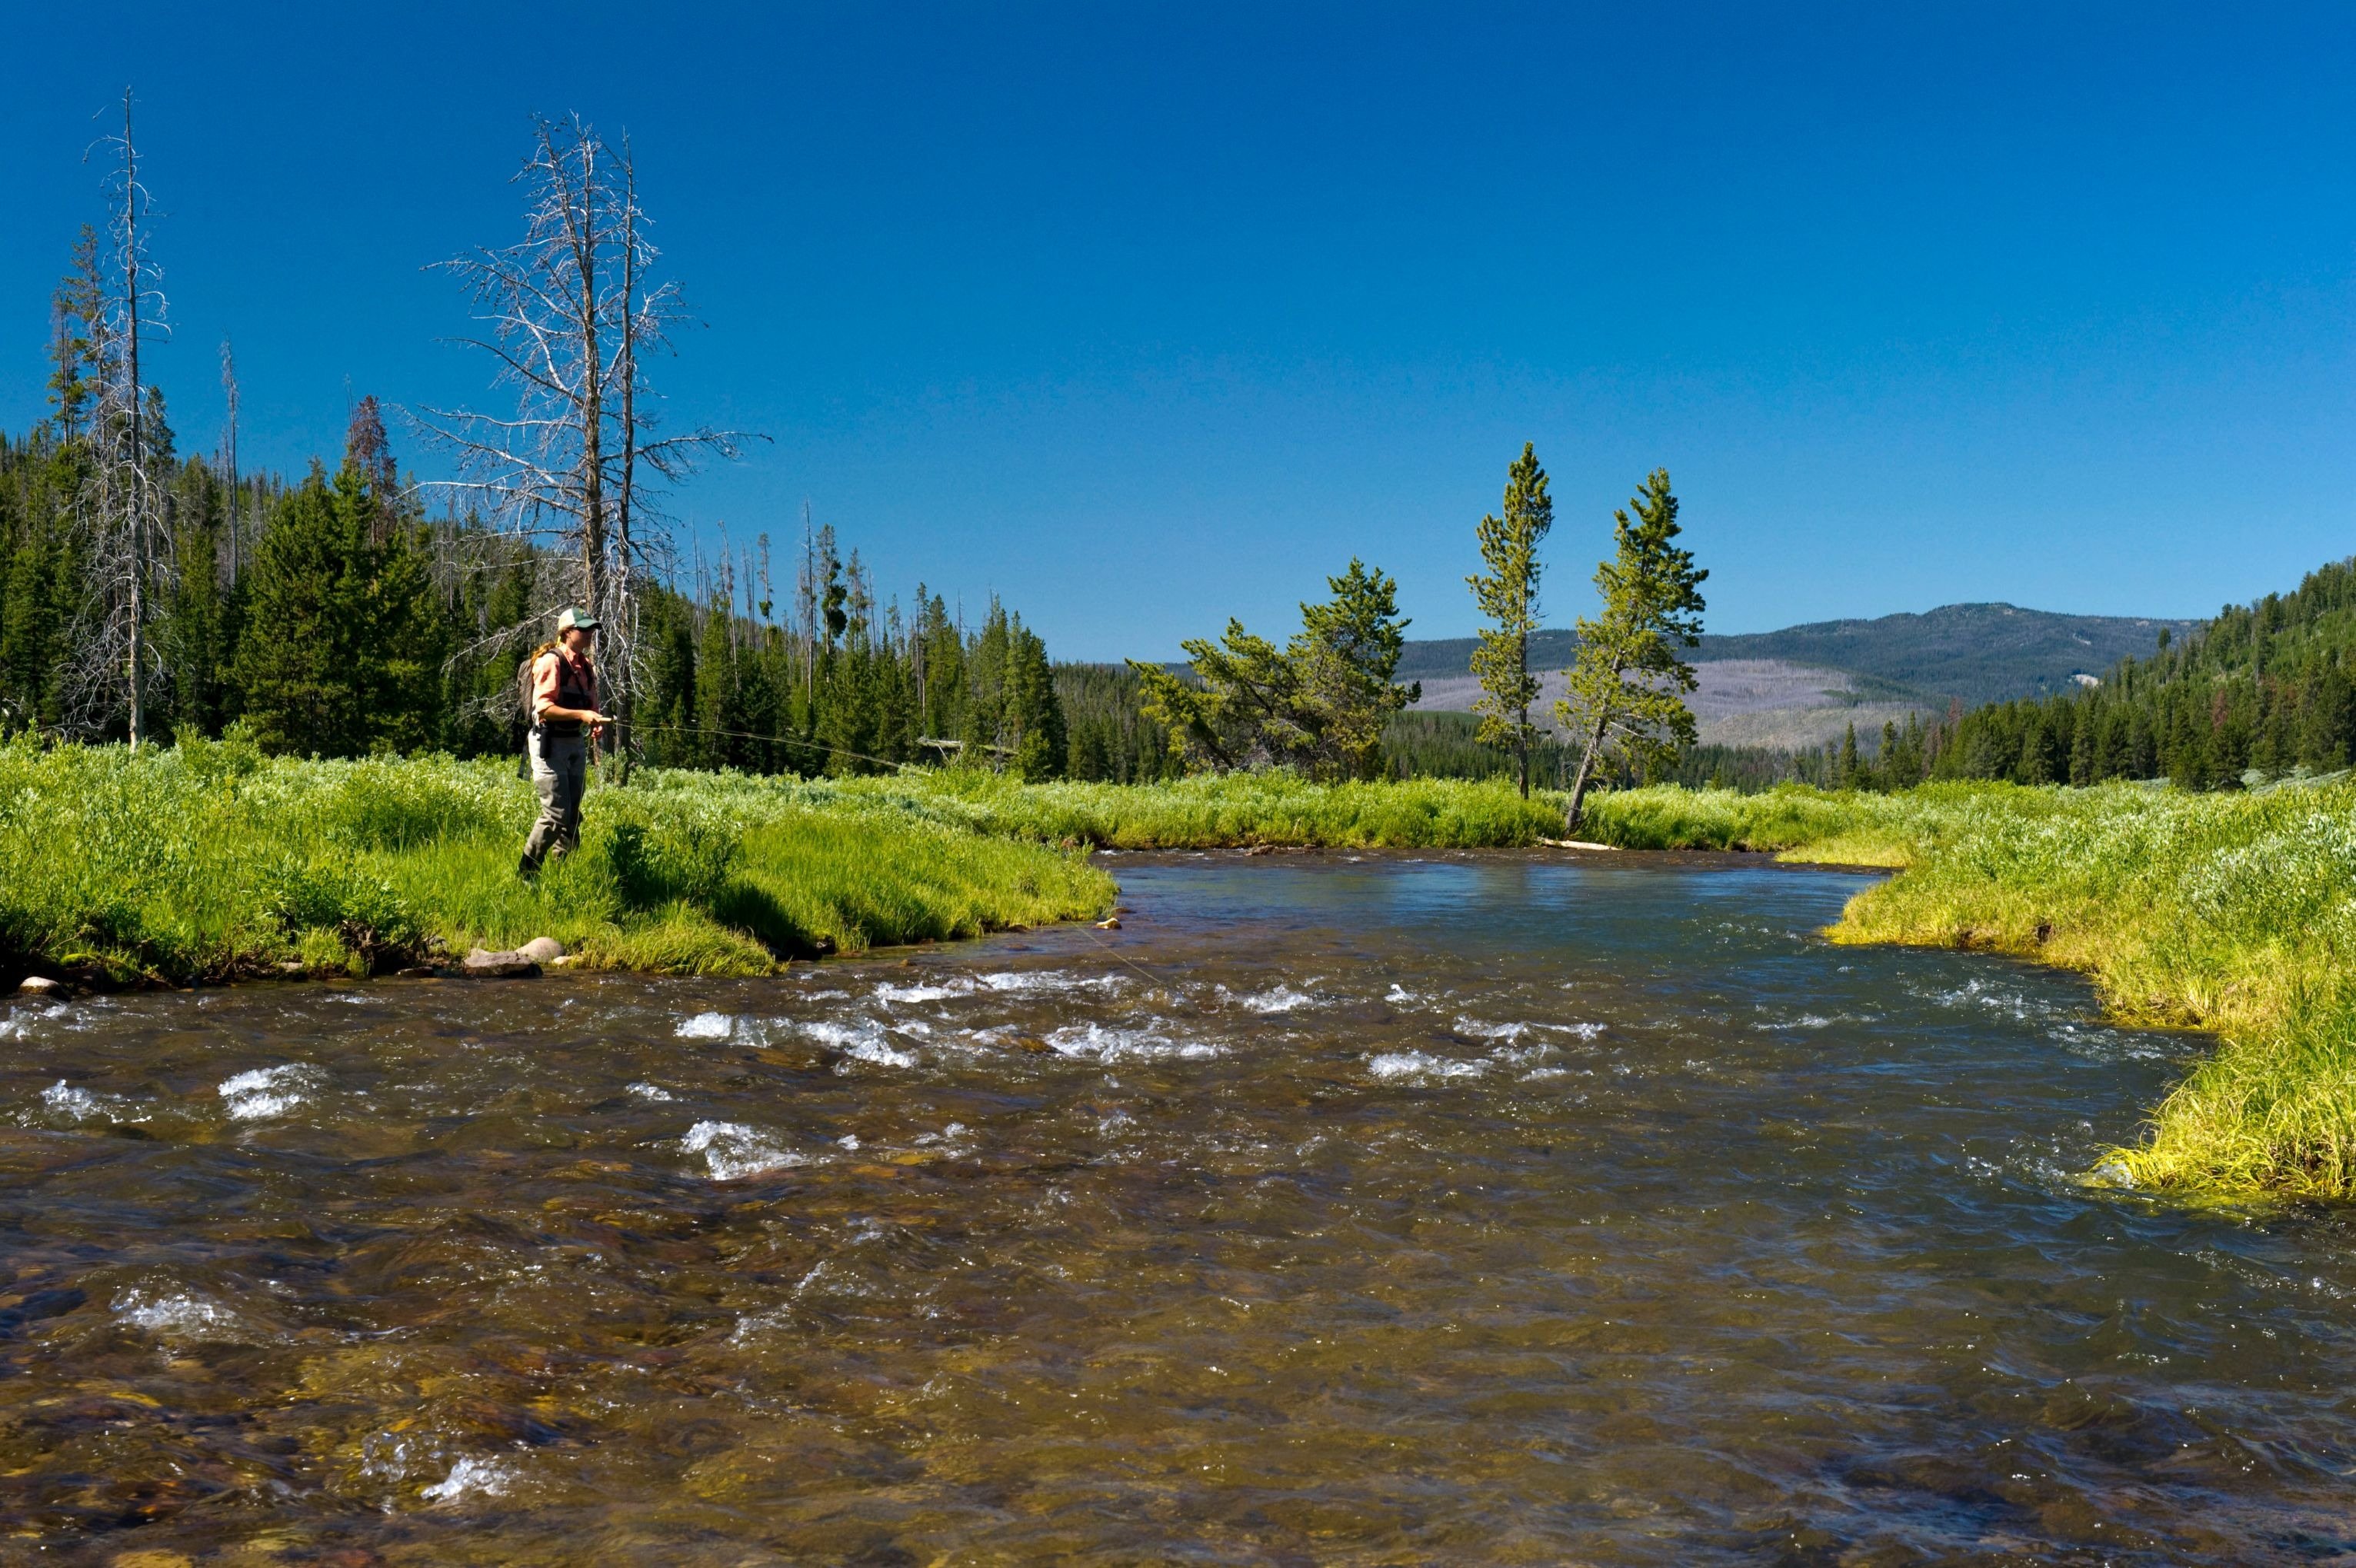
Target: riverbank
(207,862)
(2234,913)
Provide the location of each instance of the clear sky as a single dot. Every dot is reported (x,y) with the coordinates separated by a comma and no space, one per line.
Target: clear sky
(1145,316)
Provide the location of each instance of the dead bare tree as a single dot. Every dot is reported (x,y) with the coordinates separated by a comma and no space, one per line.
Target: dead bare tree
(228,464)
(572,319)
(122,507)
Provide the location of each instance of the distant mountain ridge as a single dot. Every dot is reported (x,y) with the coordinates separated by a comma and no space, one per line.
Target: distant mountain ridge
(1968,653)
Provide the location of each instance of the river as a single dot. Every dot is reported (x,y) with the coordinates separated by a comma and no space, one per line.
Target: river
(1338,1209)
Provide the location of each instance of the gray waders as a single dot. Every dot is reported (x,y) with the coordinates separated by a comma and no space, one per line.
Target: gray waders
(560,771)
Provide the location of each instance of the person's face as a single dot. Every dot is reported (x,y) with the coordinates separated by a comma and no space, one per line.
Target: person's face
(576,639)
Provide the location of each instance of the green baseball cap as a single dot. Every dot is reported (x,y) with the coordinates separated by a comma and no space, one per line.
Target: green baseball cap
(576,620)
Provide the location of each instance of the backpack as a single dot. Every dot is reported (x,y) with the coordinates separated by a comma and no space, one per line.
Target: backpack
(523,683)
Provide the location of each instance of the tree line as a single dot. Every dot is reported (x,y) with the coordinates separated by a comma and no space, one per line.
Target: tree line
(145,592)
(331,616)
(2262,690)
(1325,701)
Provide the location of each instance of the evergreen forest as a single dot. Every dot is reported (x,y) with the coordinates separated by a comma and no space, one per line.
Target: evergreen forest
(2263,692)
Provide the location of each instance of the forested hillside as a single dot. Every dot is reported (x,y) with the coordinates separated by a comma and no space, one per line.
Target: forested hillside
(1968,653)
(2263,690)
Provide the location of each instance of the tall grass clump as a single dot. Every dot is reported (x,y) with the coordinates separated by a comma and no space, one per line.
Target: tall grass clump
(207,861)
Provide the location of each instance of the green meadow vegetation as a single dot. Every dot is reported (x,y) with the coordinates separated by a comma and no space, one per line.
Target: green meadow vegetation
(208,861)
(1211,811)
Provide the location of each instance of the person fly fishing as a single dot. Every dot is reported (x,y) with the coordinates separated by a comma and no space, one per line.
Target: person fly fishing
(562,703)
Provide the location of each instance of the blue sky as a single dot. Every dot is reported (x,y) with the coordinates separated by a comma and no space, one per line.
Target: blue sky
(1141,316)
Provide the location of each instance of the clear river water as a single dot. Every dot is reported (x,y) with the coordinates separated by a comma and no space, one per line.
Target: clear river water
(1476,1208)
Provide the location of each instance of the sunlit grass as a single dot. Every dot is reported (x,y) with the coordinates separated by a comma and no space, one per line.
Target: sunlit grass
(1230,811)
(207,861)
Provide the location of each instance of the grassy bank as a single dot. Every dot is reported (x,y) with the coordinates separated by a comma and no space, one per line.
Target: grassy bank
(1224,812)
(207,862)
(2232,913)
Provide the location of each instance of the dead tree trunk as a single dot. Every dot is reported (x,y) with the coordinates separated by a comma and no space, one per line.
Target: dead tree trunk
(138,654)
(573,324)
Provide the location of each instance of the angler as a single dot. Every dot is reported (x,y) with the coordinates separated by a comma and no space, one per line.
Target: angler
(561,699)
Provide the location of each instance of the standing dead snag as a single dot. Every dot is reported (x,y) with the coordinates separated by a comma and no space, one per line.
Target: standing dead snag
(226,460)
(121,507)
(1628,687)
(573,321)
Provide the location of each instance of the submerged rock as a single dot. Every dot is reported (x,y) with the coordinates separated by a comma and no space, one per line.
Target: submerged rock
(41,986)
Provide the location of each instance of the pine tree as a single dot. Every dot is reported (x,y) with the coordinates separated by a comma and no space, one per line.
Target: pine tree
(1346,654)
(719,695)
(1036,718)
(1323,702)
(76,327)
(1628,687)
(346,635)
(1507,594)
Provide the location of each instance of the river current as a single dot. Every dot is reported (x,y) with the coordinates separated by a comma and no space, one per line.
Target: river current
(1338,1209)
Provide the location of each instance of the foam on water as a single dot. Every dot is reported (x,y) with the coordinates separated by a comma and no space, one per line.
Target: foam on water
(706,1026)
(1103,1044)
(1805,1020)
(888,993)
(470,1477)
(18,1024)
(268,1091)
(652,1094)
(173,1315)
(1410,1064)
(732,1150)
(1985,994)
(62,1099)
(862,1041)
(1035,980)
(1276,999)
(1477,1029)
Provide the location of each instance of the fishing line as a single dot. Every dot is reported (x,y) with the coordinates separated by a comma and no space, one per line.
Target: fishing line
(777,740)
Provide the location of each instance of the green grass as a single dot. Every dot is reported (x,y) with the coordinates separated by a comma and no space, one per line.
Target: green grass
(2230,913)
(208,862)
(1228,811)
